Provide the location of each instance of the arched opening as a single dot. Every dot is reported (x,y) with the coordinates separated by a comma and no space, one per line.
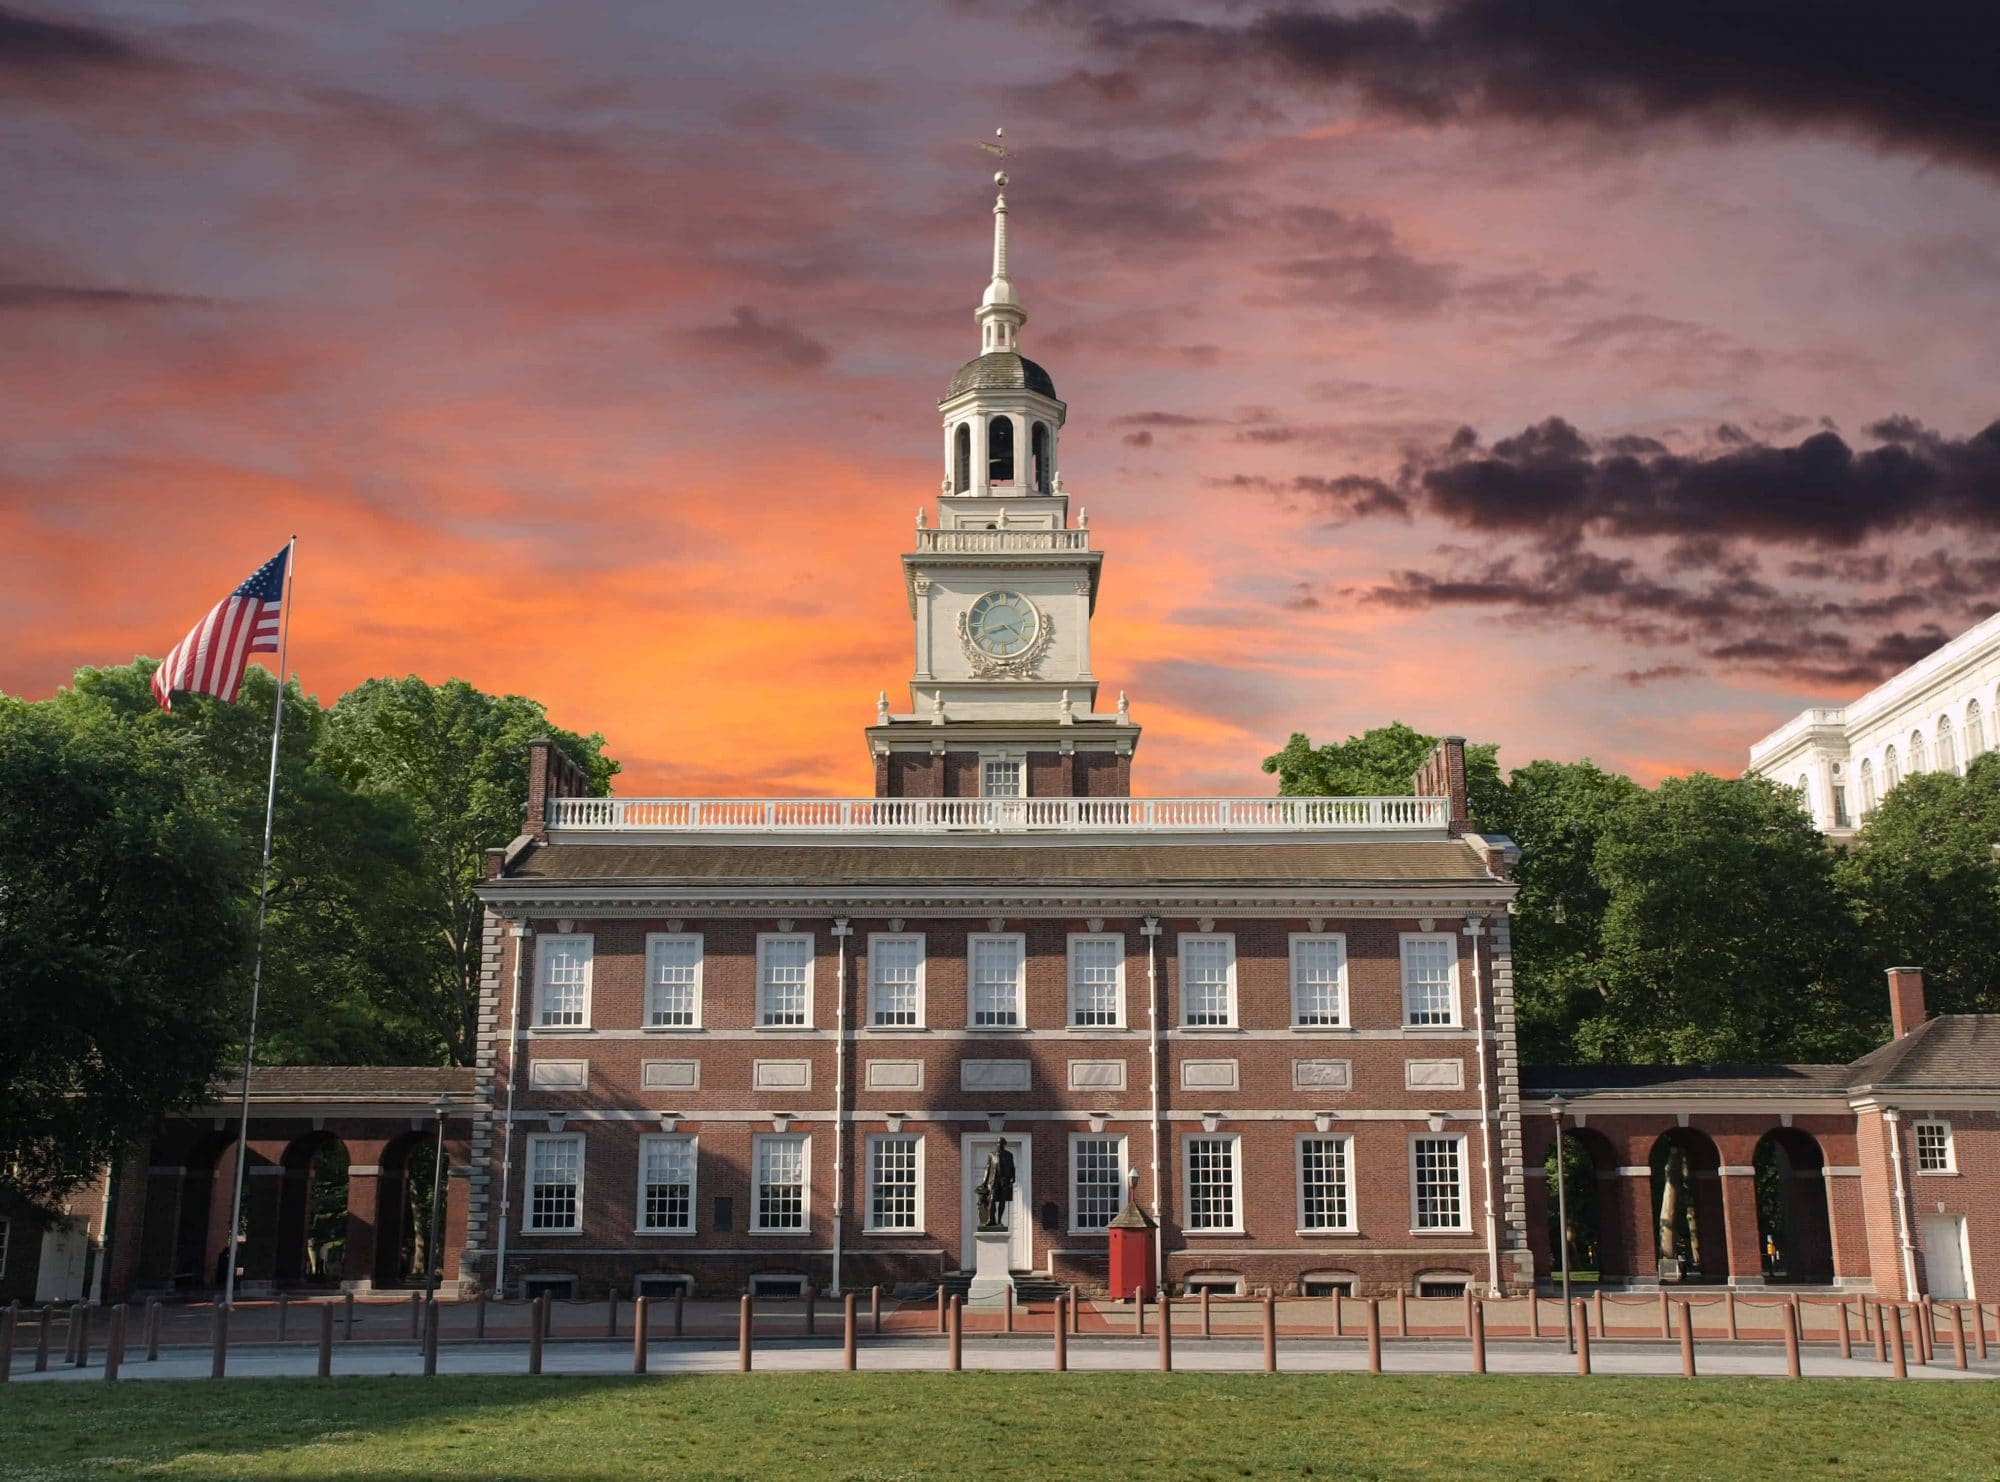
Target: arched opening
(1000,451)
(312,1212)
(1947,748)
(1588,1161)
(1038,446)
(1975,731)
(1793,1230)
(403,1209)
(1890,774)
(1867,787)
(1918,761)
(961,458)
(1688,1238)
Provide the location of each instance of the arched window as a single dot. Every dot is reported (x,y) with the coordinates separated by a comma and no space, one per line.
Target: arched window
(1918,762)
(1890,776)
(1805,793)
(1975,732)
(1867,787)
(961,462)
(1000,451)
(1947,750)
(1038,444)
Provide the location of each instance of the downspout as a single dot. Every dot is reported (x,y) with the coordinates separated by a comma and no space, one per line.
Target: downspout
(1895,1120)
(841,932)
(521,935)
(1475,928)
(1149,928)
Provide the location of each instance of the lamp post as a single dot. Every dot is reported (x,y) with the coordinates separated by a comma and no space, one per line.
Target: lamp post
(432,1252)
(1556,1106)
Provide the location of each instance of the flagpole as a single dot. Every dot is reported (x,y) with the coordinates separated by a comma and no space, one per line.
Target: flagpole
(263,902)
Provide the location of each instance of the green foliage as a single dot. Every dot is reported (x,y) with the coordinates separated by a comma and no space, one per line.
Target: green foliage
(1926,885)
(123,940)
(1379,762)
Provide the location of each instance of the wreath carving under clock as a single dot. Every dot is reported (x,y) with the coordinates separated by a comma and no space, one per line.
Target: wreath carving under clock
(1015,666)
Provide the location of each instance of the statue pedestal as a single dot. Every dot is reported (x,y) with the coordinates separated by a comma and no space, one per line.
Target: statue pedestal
(991,1276)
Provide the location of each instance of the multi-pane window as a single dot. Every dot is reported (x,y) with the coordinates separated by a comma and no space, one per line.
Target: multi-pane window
(1430,979)
(1326,1200)
(1934,1147)
(895,981)
(1319,979)
(996,980)
(1918,761)
(1097,980)
(1097,1181)
(1890,773)
(1214,1200)
(562,981)
(1208,980)
(673,981)
(784,979)
(1975,731)
(781,1182)
(555,1182)
(666,1184)
(1002,777)
(1437,1182)
(1947,752)
(892,1183)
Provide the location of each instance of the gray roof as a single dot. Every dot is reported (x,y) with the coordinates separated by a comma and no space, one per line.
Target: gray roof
(1680,1080)
(1201,862)
(1952,1051)
(426,1081)
(1002,370)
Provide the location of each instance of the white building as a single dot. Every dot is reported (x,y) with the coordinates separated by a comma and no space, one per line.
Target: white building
(1935,716)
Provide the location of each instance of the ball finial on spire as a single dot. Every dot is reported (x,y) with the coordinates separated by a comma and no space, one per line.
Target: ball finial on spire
(1000,177)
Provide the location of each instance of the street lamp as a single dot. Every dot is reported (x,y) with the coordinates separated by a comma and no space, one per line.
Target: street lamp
(442,1108)
(1556,1107)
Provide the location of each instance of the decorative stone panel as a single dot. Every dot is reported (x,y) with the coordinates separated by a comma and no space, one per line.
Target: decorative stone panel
(1434,1075)
(1097,1075)
(559,1075)
(1208,1075)
(995,1075)
(894,1075)
(781,1075)
(1322,1075)
(670,1075)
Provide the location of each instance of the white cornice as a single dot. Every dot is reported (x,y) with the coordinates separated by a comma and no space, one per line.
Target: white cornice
(603,898)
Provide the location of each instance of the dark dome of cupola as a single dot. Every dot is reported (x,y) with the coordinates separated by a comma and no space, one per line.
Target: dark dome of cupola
(1001,370)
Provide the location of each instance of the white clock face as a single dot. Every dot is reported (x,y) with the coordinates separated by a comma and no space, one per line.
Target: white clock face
(1003,623)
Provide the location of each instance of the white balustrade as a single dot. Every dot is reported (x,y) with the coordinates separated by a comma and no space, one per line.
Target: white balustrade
(997,815)
(986,542)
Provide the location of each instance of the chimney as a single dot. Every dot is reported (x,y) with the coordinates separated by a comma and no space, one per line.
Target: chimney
(551,774)
(1906,999)
(1443,776)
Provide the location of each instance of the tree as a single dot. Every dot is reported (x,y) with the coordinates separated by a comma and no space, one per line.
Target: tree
(457,759)
(1379,762)
(1926,885)
(123,938)
(1726,936)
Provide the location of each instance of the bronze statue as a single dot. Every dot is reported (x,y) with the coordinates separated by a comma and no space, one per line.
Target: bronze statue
(996,1189)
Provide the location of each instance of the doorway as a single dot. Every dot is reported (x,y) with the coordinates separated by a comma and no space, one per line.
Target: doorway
(1944,1257)
(65,1258)
(1021,1241)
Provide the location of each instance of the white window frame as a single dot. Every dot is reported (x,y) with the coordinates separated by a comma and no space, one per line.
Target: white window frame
(1204,938)
(1115,939)
(1350,1190)
(568,941)
(656,943)
(693,1143)
(1315,938)
(1016,759)
(875,941)
(1917,1148)
(1124,1169)
(1408,939)
(536,1141)
(1464,1225)
(1188,1141)
(973,942)
(755,1224)
(869,1226)
(765,941)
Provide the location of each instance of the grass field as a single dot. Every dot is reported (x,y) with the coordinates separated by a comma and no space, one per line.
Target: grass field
(821,1427)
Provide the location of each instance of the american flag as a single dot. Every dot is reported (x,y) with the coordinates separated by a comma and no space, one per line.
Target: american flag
(210,660)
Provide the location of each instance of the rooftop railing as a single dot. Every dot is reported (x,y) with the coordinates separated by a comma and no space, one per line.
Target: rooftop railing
(997,815)
(988,542)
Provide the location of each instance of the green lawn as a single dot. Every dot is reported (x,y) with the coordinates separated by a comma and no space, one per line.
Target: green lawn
(821,1427)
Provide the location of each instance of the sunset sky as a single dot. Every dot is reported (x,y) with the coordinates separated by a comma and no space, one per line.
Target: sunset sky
(1597,377)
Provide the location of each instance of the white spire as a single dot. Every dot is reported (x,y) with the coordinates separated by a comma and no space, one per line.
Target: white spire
(1000,313)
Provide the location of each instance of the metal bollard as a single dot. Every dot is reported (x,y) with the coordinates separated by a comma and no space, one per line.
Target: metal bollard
(326,1340)
(284,1315)
(479,1315)
(10,1321)
(548,1310)
(1958,1334)
(218,1358)
(347,1319)
(431,1337)
(79,1324)
(1846,1335)
(1900,1366)
(114,1342)
(1729,1302)
(1476,1320)
(152,1330)
(535,1333)
(1919,1333)
(1374,1335)
(1207,1329)
(42,1337)
(1534,1315)
(1881,1338)
(1979,1326)
(942,1300)
(1469,1299)
(1075,1312)
(416,1314)
(1062,1335)
(875,1310)
(1166,1334)
(680,1311)
(1687,1341)
(1597,1300)
(1666,1316)
(1270,1333)
(812,1312)
(1336,1314)
(1008,1324)
(639,1335)
(847,1324)
(1582,1338)
(1791,1320)
(957,1334)
(1139,1307)
(611,1315)
(1402,1312)
(743,1321)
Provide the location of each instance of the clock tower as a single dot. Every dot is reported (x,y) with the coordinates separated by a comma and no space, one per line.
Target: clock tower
(1003,698)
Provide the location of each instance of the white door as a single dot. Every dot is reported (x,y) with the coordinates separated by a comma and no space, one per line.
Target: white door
(65,1250)
(1944,1258)
(1021,1238)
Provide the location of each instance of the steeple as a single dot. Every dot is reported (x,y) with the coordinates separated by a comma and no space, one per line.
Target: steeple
(1000,314)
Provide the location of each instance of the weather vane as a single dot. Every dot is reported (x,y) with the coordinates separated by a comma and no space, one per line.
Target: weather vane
(997,145)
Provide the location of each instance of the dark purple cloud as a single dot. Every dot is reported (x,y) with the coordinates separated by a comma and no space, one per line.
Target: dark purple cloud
(751,336)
